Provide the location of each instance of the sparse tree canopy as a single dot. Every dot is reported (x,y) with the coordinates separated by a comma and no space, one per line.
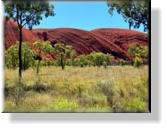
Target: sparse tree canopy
(135,12)
(27,13)
(63,52)
(44,47)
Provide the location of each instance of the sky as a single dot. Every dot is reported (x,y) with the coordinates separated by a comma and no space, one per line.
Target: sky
(86,16)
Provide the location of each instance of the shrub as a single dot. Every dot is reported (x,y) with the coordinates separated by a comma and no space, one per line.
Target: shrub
(105,64)
(97,58)
(12,58)
(47,62)
(82,60)
(138,61)
(122,62)
(135,105)
(140,51)
(63,104)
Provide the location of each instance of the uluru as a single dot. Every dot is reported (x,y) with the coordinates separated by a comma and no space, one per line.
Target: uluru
(106,40)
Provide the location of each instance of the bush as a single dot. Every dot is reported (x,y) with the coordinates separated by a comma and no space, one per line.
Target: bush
(98,58)
(122,62)
(105,64)
(12,58)
(138,61)
(135,105)
(140,51)
(47,62)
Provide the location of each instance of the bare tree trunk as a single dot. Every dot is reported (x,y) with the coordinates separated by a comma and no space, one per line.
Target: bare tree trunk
(38,65)
(62,61)
(20,52)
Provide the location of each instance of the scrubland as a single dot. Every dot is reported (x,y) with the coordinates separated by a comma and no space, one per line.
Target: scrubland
(77,89)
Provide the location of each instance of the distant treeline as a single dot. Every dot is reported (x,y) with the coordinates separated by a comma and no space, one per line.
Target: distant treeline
(66,55)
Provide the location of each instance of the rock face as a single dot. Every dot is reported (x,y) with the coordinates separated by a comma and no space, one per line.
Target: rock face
(12,35)
(106,40)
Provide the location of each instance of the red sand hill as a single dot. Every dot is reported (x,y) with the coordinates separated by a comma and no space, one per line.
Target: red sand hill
(113,41)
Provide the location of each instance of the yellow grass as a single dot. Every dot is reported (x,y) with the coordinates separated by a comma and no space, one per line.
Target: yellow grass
(76,89)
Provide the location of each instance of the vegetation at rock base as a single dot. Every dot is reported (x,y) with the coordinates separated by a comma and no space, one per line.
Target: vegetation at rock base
(71,83)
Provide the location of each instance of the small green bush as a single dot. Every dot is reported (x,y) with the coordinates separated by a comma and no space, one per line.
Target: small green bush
(135,105)
(138,61)
(122,62)
(12,58)
(105,64)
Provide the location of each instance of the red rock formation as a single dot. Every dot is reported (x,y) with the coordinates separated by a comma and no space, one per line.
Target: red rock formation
(113,41)
(12,34)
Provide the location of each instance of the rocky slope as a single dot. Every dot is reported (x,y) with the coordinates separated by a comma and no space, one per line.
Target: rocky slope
(106,40)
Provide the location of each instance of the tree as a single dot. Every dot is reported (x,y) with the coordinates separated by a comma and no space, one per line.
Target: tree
(60,53)
(137,53)
(141,50)
(135,12)
(132,50)
(97,58)
(63,52)
(27,13)
(12,59)
(45,47)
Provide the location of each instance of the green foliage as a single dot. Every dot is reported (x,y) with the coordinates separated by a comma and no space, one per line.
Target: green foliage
(105,64)
(64,52)
(97,58)
(93,59)
(64,104)
(132,50)
(107,87)
(108,58)
(12,58)
(82,61)
(72,57)
(137,60)
(60,53)
(47,62)
(141,50)
(29,12)
(137,53)
(45,47)
(134,12)
(122,62)
(134,105)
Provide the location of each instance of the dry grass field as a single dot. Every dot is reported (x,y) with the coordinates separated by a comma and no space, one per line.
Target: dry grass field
(76,89)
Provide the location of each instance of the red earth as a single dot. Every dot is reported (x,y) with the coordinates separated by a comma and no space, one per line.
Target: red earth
(106,40)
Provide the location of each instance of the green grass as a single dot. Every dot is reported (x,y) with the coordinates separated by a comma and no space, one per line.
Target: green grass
(76,89)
